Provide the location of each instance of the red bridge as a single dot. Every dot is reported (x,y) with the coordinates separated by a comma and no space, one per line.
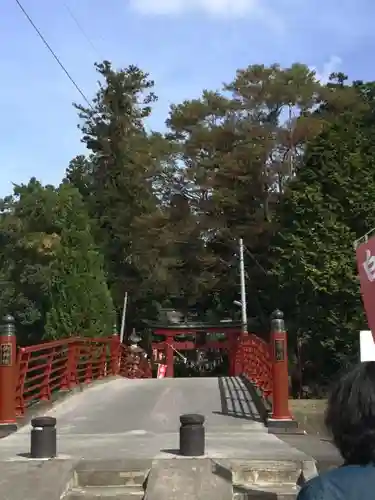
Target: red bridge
(38,373)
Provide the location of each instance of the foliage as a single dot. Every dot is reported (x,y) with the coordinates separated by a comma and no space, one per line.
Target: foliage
(52,274)
(325,208)
(80,298)
(273,157)
(119,180)
(239,148)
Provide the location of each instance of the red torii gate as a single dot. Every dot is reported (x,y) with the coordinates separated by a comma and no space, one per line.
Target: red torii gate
(264,363)
(232,330)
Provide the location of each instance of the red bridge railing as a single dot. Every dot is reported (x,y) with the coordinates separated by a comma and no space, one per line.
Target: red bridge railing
(45,369)
(254,360)
(36,373)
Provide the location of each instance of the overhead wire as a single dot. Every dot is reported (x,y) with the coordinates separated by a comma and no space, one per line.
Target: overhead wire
(250,254)
(80,27)
(54,55)
(77,87)
(255,260)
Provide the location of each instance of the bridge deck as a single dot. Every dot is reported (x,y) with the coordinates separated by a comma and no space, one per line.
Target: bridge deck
(140,419)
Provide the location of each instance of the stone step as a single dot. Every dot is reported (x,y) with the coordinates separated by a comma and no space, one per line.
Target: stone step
(186,479)
(264,473)
(111,478)
(275,492)
(130,473)
(110,492)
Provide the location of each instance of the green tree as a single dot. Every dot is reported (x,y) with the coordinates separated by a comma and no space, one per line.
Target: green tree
(121,179)
(239,148)
(178,261)
(80,298)
(326,207)
(52,275)
(27,238)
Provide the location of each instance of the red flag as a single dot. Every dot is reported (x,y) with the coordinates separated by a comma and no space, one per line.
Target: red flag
(365,253)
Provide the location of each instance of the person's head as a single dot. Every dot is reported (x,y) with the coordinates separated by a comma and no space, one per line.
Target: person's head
(350,415)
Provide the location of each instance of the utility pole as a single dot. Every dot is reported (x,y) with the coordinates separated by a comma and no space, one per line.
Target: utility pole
(122,330)
(243,290)
(128,260)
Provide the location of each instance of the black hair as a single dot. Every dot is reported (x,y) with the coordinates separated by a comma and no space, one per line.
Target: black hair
(350,415)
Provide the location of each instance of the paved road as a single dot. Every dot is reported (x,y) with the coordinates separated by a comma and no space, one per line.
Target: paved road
(140,418)
(155,406)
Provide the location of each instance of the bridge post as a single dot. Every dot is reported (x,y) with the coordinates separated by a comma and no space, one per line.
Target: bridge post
(281,416)
(8,373)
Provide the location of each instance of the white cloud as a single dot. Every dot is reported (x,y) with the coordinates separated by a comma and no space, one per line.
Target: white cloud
(217,8)
(332,65)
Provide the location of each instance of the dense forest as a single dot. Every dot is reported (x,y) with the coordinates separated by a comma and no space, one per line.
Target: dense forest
(275,157)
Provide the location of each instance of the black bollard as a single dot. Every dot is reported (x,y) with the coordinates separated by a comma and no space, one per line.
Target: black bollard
(43,437)
(192,435)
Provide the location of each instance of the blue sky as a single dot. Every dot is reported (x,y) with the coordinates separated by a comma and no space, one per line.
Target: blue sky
(186,45)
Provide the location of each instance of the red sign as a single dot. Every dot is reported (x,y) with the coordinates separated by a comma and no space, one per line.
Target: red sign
(365,253)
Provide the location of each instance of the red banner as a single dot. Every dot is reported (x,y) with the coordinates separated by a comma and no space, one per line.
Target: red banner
(162,371)
(365,253)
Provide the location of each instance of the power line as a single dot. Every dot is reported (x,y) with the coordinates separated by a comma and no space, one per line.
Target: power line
(255,260)
(251,255)
(80,28)
(59,62)
(53,53)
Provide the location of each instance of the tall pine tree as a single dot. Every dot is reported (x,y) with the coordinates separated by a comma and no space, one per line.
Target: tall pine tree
(123,169)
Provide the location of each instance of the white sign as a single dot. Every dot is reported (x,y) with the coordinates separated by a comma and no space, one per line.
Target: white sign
(366,346)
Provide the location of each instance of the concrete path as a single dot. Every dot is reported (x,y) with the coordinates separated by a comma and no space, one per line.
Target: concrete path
(140,419)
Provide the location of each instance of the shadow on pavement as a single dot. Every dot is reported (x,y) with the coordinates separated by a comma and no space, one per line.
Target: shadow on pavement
(236,401)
